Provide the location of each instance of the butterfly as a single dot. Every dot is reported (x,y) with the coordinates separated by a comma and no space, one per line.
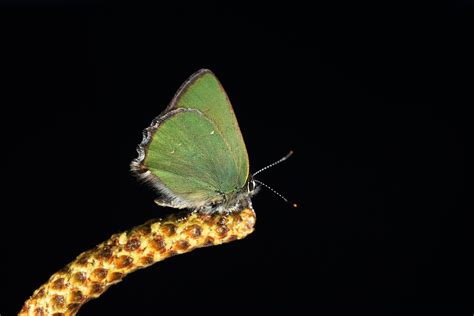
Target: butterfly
(194,154)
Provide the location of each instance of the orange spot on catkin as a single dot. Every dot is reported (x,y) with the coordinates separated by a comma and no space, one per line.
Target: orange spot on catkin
(58,284)
(57,301)
(132,244)
(115,276)
(147,260)
(77,296)
(193,231)
(168,229)
(105,253)
(182,245)
(96,288)
(79,277)
(99,274)
(123,261)
(158,244)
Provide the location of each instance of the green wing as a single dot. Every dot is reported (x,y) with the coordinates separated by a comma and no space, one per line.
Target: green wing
(195,151)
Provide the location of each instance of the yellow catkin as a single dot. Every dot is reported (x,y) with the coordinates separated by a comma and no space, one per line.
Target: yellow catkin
(93,271)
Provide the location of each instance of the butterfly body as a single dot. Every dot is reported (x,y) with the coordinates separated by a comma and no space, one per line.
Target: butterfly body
(193,153)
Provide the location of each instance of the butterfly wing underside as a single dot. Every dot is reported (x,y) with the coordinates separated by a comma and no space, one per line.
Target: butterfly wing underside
(194,152)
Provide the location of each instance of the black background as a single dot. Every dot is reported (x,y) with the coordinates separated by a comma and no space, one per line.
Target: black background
(372,97)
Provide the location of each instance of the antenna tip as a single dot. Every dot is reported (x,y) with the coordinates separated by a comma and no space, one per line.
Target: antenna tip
(295,205)
(287,155)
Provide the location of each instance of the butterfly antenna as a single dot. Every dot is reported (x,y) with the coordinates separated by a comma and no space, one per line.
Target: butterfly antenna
(274,191)
(271,165)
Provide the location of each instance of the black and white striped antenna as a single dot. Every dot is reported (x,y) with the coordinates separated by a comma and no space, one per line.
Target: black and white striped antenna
(273,164)
(267,186)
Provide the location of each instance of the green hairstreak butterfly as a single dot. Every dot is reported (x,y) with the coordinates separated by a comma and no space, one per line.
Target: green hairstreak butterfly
(193,153)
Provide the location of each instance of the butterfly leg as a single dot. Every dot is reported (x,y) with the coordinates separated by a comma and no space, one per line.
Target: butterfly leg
(166,203)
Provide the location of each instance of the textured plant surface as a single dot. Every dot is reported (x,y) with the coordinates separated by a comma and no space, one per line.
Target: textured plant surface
(93,271)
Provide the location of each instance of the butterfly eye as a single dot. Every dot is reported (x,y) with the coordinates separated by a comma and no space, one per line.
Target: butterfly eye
(251,186)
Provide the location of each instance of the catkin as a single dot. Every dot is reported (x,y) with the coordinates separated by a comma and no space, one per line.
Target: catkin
(95,270)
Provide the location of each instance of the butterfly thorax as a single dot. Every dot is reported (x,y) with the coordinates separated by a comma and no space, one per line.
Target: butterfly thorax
(229,202)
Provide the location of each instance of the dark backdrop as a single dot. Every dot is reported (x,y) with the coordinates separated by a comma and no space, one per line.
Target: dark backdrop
(373,99)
